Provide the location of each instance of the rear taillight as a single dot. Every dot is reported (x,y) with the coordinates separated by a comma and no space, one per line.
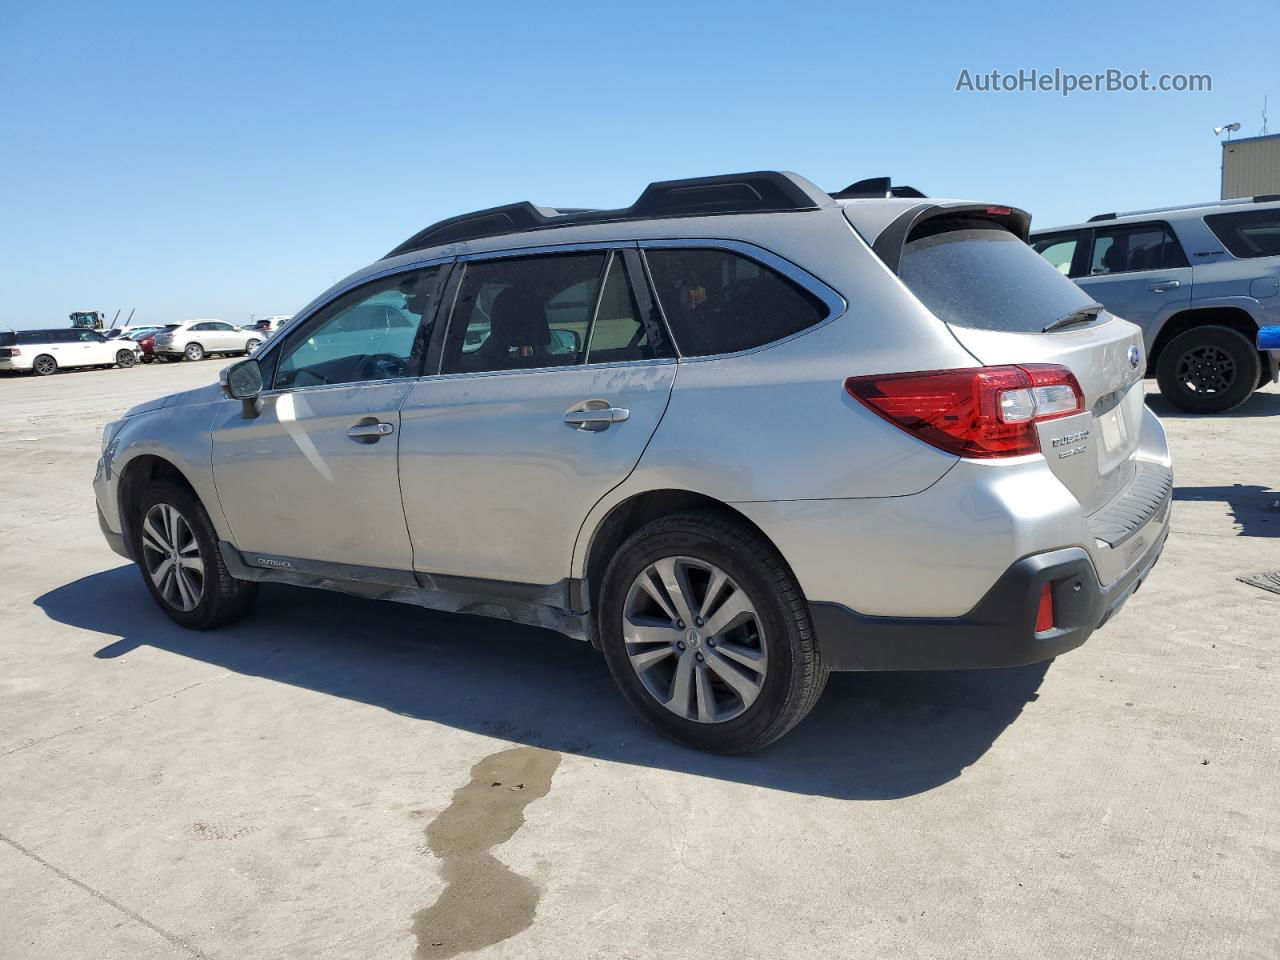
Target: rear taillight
(15,352)
(975,412)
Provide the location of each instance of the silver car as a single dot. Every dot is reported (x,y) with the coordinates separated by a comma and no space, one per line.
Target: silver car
(1200,281)
(737,435)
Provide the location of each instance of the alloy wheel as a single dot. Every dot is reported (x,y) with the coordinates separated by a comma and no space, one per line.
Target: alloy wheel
(125,358)
(45,366)
(695,640)
(194,351)
(171,555)
(1206,369)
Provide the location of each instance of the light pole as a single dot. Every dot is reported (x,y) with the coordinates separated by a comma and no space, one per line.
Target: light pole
(1229,128)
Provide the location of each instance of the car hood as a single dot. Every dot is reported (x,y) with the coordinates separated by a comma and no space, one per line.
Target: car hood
(205,394)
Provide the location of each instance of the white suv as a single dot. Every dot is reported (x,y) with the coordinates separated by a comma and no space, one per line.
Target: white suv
(196,339)
(44,352)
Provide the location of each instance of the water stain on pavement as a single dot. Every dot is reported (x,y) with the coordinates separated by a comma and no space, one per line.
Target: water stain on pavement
(483,902)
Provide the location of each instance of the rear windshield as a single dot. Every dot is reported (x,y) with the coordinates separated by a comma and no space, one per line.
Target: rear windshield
(8,338)
(976,274)
(1248,235)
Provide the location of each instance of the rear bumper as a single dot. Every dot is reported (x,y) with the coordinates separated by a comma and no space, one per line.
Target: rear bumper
(999,631)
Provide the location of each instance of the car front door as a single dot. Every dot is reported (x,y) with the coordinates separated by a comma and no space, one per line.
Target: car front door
(313,476)
(555,372)
(1138,272)
(222,337)
(89,350)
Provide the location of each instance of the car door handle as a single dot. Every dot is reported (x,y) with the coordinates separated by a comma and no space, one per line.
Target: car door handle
(595,415)
(1160,286)
(370,431)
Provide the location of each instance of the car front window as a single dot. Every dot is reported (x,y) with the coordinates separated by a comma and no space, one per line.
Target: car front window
(371,333)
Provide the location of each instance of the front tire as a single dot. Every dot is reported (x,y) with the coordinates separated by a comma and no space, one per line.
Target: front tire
(44,366)
(177,552)
(193,351)
(1209,369)
(707,633)
(126,359)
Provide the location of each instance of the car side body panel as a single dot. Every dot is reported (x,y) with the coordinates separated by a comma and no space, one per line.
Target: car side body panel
(176,432)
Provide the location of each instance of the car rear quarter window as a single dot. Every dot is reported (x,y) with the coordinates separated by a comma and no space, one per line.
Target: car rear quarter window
(973,273)
(717,301)
(1250,234)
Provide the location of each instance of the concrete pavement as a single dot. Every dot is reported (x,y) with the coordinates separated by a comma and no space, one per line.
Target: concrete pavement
(335,777)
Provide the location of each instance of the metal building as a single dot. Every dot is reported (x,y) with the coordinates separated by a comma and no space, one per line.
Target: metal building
(1251,166)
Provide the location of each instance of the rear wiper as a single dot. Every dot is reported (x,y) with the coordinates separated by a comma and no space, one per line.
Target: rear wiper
(1083,315)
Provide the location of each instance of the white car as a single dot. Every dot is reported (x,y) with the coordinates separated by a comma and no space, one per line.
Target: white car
(44,352)
(196,339)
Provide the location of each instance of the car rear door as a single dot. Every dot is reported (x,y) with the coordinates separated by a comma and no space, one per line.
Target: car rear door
(555,373)
(312,477)
(1138,272)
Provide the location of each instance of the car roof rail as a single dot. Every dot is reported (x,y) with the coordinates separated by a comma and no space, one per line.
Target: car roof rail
(876,188)
(1233,202)
(763,191)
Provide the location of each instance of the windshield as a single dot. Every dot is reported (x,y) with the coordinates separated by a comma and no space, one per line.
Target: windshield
(975,274)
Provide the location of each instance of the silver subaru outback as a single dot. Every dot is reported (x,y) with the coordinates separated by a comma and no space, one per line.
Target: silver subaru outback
(736,435)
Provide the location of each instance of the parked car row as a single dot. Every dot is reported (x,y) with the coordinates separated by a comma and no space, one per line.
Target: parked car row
(737,435)
(45,352)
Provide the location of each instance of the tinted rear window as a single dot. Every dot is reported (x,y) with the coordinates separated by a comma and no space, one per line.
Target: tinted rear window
(68,335)
(721,302)
(980,275)
(1252,234)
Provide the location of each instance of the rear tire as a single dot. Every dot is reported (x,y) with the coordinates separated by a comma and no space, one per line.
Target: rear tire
(193,351)
(251,346)
(44,366)
(126,359)
(776,635)
(1209,369)
(180,561)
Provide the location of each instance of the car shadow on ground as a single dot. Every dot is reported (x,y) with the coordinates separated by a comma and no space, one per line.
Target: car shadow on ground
(872,736)
(1258,405)
(1253,507)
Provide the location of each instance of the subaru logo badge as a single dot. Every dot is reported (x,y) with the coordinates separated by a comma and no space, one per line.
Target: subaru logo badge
(1135,357)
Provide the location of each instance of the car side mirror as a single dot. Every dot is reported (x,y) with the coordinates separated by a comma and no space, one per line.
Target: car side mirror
(565,341)
(243,381)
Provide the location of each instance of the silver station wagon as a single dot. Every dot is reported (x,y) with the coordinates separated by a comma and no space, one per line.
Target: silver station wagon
(736,435)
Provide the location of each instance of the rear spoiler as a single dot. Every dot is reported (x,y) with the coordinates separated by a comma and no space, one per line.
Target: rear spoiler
(890,241)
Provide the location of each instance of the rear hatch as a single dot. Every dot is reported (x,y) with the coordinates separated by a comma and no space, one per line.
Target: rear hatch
(1006,305)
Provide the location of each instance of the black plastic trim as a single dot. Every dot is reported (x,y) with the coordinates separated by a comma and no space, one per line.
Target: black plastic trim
(761,191)
(998,632)
(876,188)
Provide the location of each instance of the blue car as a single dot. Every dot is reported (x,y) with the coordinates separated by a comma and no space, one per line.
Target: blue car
(1269,338)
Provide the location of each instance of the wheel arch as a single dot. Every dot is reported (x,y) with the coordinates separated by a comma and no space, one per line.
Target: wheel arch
(629,515)
(137,475)
(1234,318)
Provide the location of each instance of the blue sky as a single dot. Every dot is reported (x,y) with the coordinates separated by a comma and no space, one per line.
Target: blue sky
(199,160)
